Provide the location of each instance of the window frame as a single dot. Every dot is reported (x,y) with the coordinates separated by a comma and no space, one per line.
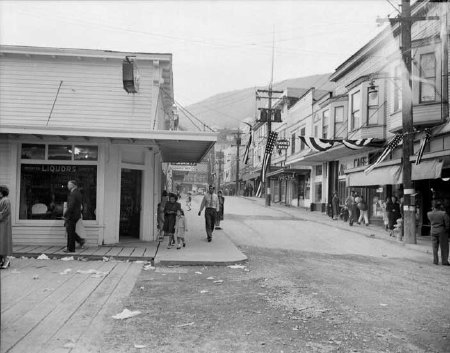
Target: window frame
(341,123)
(46,161)
(373,107)
(353,126)
(325,123)
(421,75)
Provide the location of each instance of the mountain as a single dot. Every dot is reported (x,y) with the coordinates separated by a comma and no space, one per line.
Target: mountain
(226,110)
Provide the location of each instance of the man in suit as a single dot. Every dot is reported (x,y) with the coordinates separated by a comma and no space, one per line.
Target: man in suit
(210,203)
(440,225)
(72,215)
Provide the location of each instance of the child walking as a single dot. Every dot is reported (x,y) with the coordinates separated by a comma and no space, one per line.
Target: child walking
(180,228)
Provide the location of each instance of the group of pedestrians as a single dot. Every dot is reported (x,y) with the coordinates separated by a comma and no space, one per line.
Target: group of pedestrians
(355,209)
(171,221)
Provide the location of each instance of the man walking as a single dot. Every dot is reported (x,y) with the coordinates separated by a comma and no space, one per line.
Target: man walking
(211,204)
(72,215)
(440,224)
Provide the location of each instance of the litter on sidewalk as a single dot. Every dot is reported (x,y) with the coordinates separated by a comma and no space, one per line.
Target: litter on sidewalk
(126,314)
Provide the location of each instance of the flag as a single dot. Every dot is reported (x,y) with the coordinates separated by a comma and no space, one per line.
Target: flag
(423,143)
(358,144)
(395,141)
(317,144)
(245,158)
(267,153)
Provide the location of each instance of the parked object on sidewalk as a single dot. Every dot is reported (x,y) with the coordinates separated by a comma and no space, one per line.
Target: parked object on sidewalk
(440,226)
(5,228)
(398,229)
(344,215)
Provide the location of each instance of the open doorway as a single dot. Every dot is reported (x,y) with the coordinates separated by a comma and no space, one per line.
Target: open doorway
(130,204)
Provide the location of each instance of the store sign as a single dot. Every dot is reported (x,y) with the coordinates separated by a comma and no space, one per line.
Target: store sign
(283,144)
(360,161)
(50,168)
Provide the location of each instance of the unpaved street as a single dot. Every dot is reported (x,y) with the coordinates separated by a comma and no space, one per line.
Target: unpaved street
(306,288)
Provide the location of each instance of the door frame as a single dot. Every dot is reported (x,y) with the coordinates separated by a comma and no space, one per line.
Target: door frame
(141,218)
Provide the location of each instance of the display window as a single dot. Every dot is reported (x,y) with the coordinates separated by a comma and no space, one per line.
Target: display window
(43,185)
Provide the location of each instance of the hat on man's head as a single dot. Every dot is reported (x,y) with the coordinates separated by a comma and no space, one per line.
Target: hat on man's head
(74,182)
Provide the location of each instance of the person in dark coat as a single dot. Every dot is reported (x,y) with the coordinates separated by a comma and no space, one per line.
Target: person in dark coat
(393,212)
(5,228)
(335,206)
(170,217)
(72,216)
(440,225)
(219,216)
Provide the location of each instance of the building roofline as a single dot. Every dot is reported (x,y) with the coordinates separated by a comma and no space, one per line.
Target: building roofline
(90,53)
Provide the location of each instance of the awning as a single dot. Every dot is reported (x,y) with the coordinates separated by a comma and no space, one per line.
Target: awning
(288,171)
(392,175)
(175,146)
(251,175)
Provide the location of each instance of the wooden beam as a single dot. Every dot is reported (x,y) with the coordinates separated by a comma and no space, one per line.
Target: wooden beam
(86,138)
(39,136)
(63,137)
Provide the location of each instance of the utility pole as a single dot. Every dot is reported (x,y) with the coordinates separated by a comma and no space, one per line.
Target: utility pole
(269,115)
(238,144)
(409,208)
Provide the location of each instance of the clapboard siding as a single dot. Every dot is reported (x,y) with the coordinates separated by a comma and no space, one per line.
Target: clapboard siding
(5,176)
(91,94)
(49,235)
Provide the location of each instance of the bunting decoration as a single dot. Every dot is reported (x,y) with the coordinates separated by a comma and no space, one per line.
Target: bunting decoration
(361,143)
(393,143)
(423,143)
(317,144)
(246,158)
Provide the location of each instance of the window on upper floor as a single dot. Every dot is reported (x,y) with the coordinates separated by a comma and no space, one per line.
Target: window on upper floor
(397,86)
(427,83)
(339,127)
(372,105)
(355,118)
(316,130)
(325,123)
(302,133)
(293,143)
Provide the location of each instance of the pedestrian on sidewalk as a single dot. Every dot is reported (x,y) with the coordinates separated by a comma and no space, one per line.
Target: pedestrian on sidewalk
(354,211)
(363,211)
(210,203)
(5,228)
(385,212)
(440,225)
(180,229)
(219,216)
(72,215)
(170,215)
(393,210)
(348,204)
(160,218)
(335,206)
(188,201)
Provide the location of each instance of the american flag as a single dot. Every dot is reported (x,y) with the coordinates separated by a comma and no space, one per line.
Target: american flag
(317,144)
(395,141)
(268,151)
(423,143)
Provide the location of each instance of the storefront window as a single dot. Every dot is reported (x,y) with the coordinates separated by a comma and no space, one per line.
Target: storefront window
(85,153)
(43,190)
(428,78)
(318,189)
(33,151)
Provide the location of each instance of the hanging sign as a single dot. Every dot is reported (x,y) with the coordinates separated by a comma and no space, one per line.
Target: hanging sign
(283,144)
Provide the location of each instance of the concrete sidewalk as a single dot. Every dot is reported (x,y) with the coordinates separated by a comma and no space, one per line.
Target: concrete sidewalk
(423,242)
(221,251)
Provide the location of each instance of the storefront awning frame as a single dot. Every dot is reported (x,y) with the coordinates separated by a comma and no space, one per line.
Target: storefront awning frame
(288,171)
(175,146)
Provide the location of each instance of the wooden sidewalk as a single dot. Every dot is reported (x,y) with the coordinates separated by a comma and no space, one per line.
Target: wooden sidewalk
(133,253)
(62,306)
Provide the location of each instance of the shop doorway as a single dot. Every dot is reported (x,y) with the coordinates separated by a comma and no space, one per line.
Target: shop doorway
(130,204)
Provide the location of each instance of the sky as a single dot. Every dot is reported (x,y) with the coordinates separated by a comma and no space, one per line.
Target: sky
(217,46)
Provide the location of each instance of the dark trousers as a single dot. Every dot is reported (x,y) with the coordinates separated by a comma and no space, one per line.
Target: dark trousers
(72,235)
(210,221)
(442,241)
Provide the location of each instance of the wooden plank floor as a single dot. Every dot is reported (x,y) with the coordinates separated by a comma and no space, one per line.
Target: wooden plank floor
(144,253)
(45,306)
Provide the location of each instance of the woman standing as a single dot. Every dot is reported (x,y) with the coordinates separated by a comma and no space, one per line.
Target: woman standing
(170,216)
(393,211)
(5,228)
(385,213)
(220,212)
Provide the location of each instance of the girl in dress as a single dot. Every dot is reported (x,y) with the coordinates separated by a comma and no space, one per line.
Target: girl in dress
(170,215)
(180,228)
